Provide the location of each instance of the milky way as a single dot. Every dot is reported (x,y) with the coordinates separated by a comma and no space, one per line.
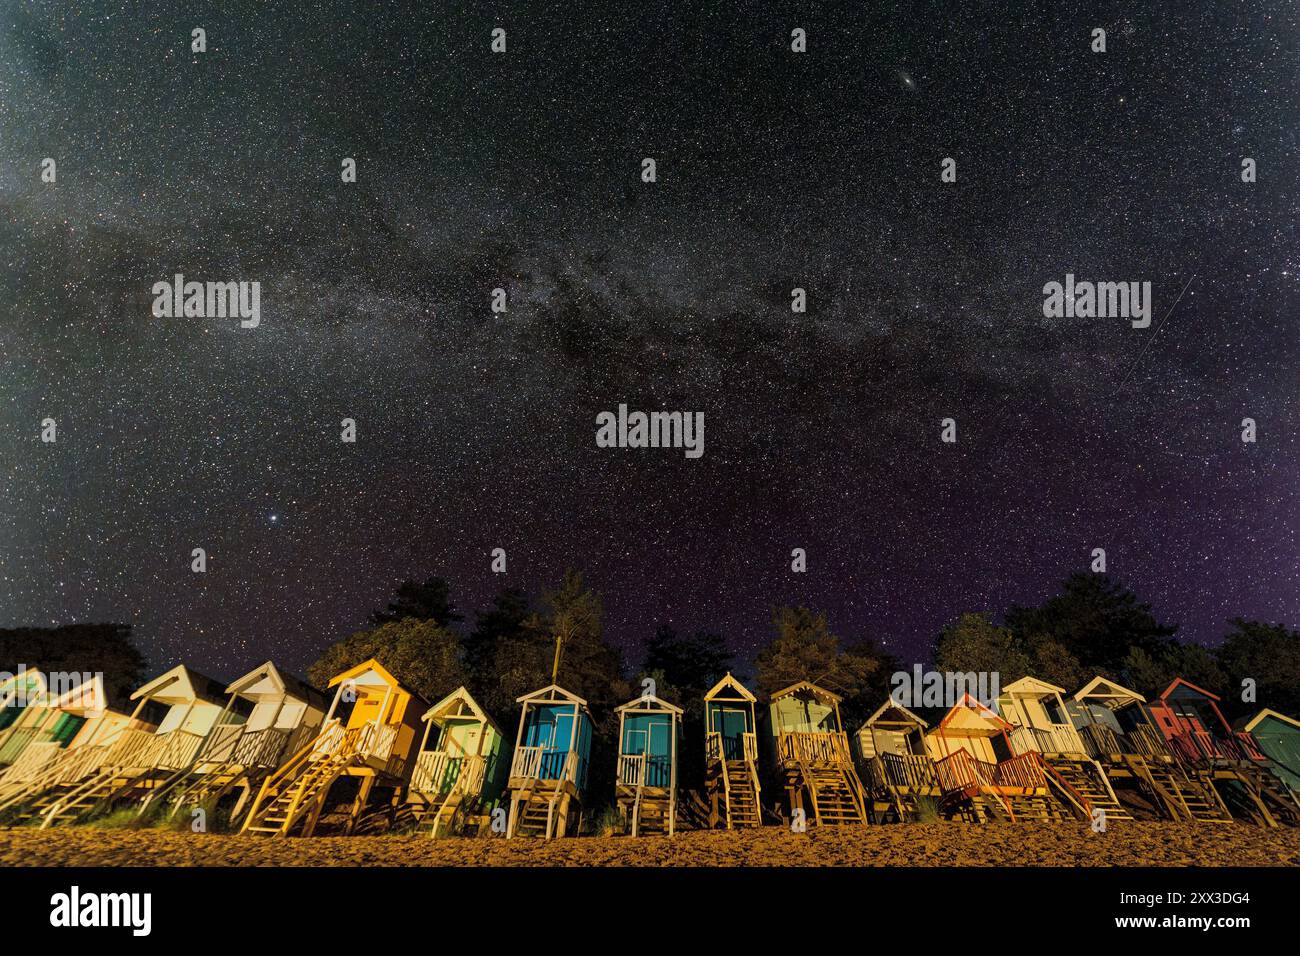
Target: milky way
(522,171)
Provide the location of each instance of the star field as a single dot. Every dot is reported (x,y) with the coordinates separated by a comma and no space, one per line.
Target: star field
(521,170)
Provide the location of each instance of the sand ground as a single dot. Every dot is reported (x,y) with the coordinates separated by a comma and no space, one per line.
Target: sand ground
(937,844)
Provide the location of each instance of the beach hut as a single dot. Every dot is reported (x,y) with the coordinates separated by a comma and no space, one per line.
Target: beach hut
(1117,732)
(548,772)
(731,781)
(897,769)
(649,731)
(1278,737)
(812,756)
(80,729)
(1041,724)
(368,734)
(1202,740)
(462,766)
(24,710)
(268,716)
(186,703)
(979,774)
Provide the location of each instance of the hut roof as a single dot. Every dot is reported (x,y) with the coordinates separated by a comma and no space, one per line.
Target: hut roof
(1249,724)
(892,713)
(804,686)
(733,684)
(456,704)
(648,702)
(181,685)
(1108,692)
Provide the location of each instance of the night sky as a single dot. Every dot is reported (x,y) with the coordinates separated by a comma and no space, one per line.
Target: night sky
(522,170)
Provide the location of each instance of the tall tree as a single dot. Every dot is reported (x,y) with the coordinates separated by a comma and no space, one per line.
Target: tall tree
(803,648)
(424,655)
(427,601)
(974,643)
(691,662)
(1269,655)
(1095,619)
(588,666)
(1150,672)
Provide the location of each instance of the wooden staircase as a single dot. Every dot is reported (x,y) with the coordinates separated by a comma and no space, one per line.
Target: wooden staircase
(209,788)
(71,802)
(1193,796)
(1088,782)
(541,809)
(733,794)
(1255,794)
(836,795)
(295,794)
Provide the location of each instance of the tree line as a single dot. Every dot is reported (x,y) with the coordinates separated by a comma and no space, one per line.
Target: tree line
(1092,626)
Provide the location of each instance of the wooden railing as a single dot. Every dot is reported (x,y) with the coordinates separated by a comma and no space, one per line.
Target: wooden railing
(1022,740)
(913,771)
(1145,741)
(438,772)
(631,770)
(744,747)
(1199,747)
(131,749)
(548,763)
(961,772)
(527,762)
(221,742)
(1024,772)
(1058,739)
(30,762)
(1100,741)
(175,749)
(826,748)
(260,748)
(1045,740)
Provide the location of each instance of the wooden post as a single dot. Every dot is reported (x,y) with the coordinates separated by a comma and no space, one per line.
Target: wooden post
(363,795)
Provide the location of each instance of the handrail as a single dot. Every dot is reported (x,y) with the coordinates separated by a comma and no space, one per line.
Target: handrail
(1024,771)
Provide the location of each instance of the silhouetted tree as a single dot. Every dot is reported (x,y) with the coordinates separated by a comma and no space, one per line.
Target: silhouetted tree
(1268,654)
(429,601)
(803,648)
(1095,619)
(691,662)
(424,655)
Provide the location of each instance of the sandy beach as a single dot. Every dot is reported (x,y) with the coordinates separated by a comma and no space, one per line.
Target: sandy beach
(938,844)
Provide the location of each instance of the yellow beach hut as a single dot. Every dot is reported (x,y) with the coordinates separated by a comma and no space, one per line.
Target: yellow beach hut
(369,734)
